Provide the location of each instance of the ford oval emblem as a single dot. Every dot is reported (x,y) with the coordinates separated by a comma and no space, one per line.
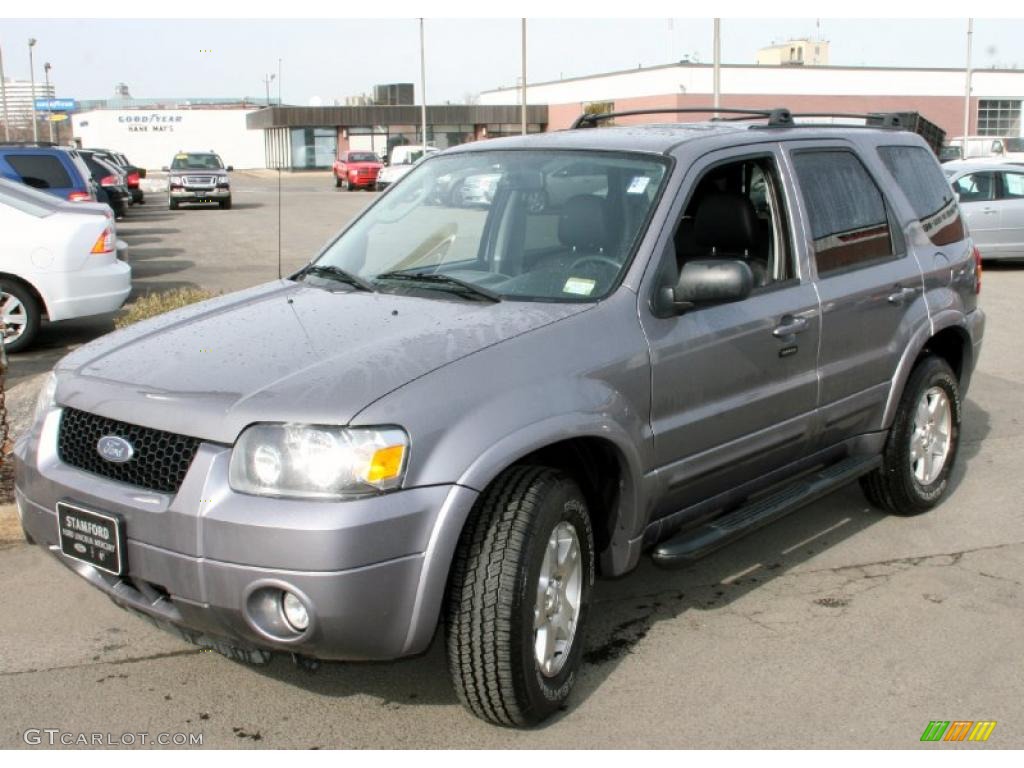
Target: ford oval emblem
(114,448)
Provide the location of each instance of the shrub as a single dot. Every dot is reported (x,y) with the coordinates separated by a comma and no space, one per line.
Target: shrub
(153,304)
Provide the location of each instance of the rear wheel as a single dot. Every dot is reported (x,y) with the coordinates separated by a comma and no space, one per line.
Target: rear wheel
(21,315)
(922,443)
(518,597)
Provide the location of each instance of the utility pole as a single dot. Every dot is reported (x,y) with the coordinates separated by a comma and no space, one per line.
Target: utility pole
(423,86)
(717,86)
(524,77)
(49,112)
(3,95)
(279,82)
(967,92)
(32,81)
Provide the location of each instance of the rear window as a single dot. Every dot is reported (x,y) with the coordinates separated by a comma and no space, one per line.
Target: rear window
(40,171)
(927,191)
(849,223)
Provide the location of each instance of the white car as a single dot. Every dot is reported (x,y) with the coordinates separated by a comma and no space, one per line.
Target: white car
(403,159)
(992,199)
(57,259)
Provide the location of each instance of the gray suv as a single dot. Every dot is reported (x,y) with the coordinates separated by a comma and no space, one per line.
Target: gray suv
(198,177)
(649,339)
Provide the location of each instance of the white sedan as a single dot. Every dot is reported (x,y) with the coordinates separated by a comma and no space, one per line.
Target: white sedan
(57,259)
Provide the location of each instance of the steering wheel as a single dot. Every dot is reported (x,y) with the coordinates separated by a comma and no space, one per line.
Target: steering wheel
(608,262)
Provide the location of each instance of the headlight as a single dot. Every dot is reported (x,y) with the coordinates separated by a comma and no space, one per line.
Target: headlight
(318,462)
(45,401)
(176,180)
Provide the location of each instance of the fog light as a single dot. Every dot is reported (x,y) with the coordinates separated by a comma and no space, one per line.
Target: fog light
(294,612)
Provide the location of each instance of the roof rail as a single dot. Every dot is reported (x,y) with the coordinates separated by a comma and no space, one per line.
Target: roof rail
(776,117)
(44,144)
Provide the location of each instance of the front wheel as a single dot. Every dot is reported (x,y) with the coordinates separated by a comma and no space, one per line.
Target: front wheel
(518,597)
(225,204)
(922,443)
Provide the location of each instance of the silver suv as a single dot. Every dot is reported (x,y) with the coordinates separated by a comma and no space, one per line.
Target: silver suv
(198,177)
(649,339)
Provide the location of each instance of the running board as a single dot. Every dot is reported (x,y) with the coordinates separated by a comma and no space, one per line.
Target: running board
(688,546)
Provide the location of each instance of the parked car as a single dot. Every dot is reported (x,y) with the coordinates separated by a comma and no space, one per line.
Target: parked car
(978,147)
(198,177)
(465,415)
(111,181)
(59,171)
(132,173)
(992,200)
(355,170)
(57,259)
(403,158)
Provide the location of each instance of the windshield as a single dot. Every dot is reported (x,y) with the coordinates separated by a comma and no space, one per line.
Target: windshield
(1014,145)
(528,225)
(362,157)
(196,161)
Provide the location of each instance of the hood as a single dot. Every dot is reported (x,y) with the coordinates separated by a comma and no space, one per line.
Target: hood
(282,352)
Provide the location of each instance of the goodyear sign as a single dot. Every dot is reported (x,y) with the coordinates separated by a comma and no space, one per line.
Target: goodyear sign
(56,105)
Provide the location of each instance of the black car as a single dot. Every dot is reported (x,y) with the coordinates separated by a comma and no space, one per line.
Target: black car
(132,173)
(113,187)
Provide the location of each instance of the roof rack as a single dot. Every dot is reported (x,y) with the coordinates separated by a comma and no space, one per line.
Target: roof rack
(30,144)
(871,119)
(776,117)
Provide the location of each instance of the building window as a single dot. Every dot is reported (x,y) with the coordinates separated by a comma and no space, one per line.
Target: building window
(999,117)
(314,147)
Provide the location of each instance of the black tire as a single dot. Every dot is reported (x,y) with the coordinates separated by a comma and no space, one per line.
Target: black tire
(172,204)
(893,486)
(337,181)
(225,205)
(30,309)
(492,593)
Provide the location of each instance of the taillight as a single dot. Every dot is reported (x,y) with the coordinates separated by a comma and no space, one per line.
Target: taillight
(108,181)
(977,270)
(133,179)
(105,242)
(79,197)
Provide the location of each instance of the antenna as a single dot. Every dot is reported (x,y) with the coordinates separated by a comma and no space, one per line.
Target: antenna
(279,220)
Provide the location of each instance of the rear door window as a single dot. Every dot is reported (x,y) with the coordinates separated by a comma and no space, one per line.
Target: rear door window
(40,171)
(846,211)
(1013,185)
(919,176)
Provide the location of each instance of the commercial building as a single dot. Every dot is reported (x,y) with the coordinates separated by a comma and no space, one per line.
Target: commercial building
(803,51)
(18,96)
(938,94)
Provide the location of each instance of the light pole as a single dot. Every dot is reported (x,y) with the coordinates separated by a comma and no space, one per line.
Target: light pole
(49,112)
(423,86)
(717,85)
(266,81)
(3,95)
(967,93)
(32,90)
(524,78)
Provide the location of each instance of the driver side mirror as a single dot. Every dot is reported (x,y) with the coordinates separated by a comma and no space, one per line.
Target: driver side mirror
(230,168)
(165,169)
(708,281)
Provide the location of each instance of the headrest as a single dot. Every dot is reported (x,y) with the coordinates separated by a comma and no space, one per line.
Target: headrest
(726,221)
(584,223)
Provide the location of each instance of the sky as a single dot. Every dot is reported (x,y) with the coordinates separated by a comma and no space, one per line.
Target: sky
(333,58)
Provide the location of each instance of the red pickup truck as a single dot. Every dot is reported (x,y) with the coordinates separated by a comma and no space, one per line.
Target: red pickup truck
(353,170)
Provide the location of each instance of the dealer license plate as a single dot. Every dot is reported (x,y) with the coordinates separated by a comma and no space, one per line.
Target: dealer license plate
(96,538)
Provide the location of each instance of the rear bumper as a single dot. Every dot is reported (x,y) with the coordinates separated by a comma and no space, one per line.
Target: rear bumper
(367,569)
(86,292)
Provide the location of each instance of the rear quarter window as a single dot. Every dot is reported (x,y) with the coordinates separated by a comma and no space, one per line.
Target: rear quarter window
(40,171)
(919,176)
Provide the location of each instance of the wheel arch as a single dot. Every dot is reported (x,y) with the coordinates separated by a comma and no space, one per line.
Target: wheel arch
(28,285)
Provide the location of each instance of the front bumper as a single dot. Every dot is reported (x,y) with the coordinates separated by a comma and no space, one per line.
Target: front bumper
(370,571)
(199,194)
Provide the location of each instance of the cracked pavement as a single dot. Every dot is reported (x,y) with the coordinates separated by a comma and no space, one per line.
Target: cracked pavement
(835,627)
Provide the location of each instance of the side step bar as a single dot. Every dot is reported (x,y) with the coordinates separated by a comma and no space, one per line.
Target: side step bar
(688,546)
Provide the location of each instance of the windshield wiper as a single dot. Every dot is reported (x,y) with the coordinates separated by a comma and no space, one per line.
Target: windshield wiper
(442,280)
(330,272)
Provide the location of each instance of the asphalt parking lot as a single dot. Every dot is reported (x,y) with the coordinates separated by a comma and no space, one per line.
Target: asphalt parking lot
(837,627)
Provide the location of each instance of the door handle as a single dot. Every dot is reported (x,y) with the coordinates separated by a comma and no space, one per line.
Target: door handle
(989,210)
(789,327)
(901,295)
